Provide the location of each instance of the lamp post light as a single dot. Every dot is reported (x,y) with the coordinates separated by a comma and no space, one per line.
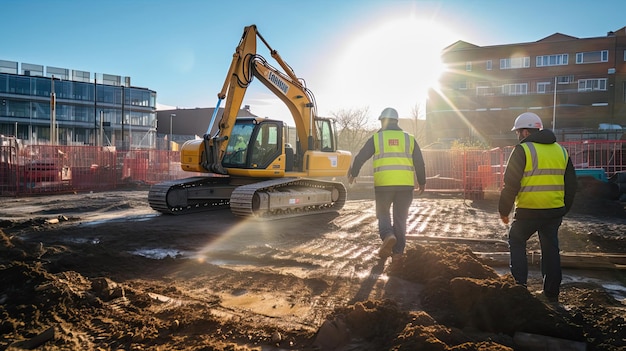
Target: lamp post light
(169,144)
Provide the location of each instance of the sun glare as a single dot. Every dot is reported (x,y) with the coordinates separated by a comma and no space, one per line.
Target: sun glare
(391,64)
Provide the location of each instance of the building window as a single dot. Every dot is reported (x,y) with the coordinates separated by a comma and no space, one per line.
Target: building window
(468,66)
(461,85)
(592,84)
(592,56)
(552,60)
(488,65)
(483,91)
(565,79)
(542,87)
(515,62)
(515,89)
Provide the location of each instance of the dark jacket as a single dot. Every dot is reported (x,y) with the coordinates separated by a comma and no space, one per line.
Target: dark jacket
(513,177)
(367,151)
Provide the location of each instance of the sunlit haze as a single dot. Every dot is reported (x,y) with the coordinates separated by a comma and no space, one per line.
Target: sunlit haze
(393,63)
(353,54)
(390,63)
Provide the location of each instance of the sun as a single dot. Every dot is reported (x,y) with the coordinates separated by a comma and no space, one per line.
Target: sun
(392,64)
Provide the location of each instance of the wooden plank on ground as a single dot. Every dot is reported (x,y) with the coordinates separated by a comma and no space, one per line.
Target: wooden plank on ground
(578,260)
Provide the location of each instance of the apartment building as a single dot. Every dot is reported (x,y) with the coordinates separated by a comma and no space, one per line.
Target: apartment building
(576,85)
(63,106)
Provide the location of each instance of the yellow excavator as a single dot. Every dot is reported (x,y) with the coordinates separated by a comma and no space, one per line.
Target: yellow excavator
(249,163)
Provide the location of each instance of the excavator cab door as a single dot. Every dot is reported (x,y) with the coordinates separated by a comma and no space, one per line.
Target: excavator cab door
(254,144)
(325,135)
(238,148)
(265,144)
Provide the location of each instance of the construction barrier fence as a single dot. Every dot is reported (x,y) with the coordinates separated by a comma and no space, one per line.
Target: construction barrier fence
(49,169)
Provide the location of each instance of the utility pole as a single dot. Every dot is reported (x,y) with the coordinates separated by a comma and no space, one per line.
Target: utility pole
(53,116)
(554,107)
(101,139)
(95,108)
(169,142)
(123,118)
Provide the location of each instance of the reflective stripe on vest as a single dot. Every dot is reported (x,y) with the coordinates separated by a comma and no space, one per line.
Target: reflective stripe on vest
(543,183)
(393,158)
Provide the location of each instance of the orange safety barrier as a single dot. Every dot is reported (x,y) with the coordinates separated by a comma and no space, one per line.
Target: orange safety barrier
(37,169)
(469,172)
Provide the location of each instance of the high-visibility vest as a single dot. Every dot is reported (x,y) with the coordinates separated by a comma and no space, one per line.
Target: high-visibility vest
(543,184)
(393,158)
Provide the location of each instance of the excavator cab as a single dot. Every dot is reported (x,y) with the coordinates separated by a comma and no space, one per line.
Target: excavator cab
(261,144)
(254,145)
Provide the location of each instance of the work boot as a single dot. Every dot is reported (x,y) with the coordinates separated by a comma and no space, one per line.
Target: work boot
(551,301)
(387,246)
(397,264)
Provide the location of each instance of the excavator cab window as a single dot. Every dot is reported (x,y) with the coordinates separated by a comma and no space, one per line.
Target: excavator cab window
(253,145)
(237,149)
(325,135)
(267,144)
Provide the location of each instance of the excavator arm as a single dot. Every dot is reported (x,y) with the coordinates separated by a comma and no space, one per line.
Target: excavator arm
(245,66)
(281,183)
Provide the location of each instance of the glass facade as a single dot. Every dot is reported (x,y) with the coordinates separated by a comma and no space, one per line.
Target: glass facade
(86,113)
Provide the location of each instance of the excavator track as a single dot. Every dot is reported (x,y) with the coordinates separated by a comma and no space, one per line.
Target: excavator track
(196,194)
(266,199)
(287,197)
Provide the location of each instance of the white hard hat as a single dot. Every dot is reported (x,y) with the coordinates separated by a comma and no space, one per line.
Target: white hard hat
(389,112)
(527,120)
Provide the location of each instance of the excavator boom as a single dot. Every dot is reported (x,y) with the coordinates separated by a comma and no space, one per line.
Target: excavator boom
(251,165)
(245,66)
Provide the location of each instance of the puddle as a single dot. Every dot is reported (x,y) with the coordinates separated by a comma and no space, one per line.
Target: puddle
(99,220)
(93,241)
(612,287)
(604,278)
(159,254)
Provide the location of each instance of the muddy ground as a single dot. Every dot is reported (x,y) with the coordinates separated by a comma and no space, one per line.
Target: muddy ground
(103,271)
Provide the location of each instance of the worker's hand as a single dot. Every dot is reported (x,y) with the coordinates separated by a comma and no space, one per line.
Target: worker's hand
(505,219)
(419,189)
(351,179)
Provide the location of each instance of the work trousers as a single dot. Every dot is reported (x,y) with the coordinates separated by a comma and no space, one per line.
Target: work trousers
(547,229)
(401,200)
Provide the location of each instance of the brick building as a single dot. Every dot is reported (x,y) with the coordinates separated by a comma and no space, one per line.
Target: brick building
(576,85)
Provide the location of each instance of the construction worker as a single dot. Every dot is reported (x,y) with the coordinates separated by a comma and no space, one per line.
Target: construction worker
(397,163)
(241,144)
(541,181)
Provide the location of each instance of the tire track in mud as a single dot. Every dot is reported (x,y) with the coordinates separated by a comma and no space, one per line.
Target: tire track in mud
(453,218)
(302,271)
(344,256)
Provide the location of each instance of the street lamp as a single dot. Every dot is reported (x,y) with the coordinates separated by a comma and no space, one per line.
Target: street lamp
(554,106)
(169,145)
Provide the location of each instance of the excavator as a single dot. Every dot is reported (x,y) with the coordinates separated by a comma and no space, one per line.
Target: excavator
(248,163)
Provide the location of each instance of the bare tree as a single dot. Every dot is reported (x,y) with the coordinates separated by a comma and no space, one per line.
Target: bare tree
(418,122)
(353,128)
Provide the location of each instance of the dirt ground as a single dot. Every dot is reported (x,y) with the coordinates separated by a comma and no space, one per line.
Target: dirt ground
(103,271)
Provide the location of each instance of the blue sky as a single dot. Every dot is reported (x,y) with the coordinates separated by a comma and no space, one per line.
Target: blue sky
(353,54)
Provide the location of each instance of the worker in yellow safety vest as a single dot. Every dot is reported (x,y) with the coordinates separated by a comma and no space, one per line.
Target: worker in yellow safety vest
(540,181)
(398,171)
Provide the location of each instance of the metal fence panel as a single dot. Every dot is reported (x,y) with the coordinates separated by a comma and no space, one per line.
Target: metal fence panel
(37,169)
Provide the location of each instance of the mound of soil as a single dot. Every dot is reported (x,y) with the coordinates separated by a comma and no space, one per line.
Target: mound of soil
(469,306)
(93,280)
